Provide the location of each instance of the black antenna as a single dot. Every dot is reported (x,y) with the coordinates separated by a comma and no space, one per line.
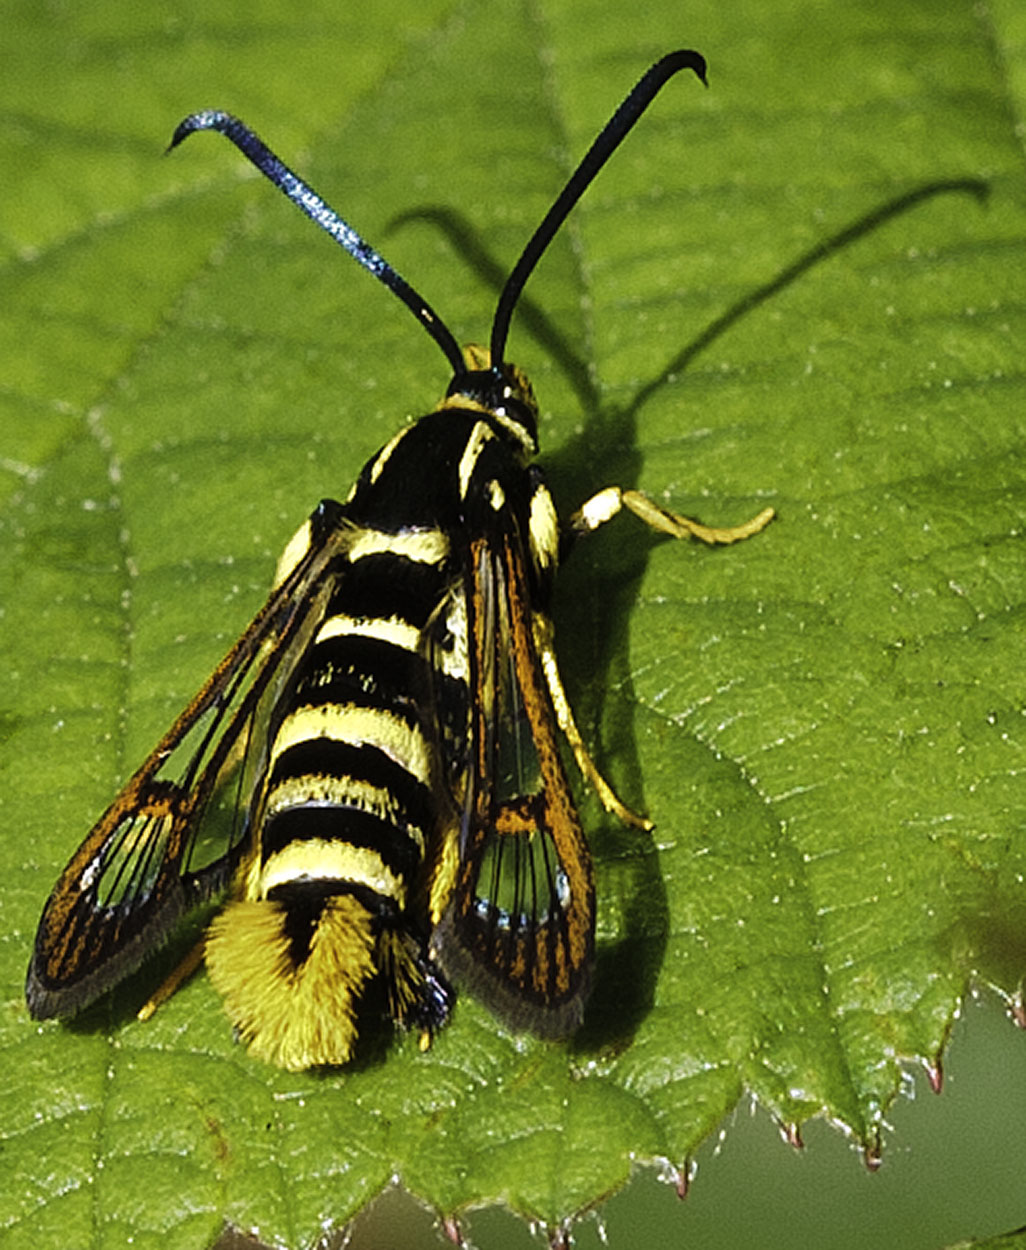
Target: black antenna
(306,199)
(612,135)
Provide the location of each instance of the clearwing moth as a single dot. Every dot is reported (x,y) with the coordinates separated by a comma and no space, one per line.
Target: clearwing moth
(374,771)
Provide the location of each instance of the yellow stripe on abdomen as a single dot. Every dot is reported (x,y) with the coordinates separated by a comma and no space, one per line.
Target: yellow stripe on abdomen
(342,793)
(403,743)
(323,861)
(385,629)
(424,546)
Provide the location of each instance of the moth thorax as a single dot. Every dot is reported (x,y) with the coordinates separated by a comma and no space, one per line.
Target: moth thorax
(291,984)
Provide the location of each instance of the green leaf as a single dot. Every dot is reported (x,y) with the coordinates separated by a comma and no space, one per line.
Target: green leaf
(784,290)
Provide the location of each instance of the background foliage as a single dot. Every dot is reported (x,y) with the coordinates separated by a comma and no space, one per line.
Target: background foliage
(788,289)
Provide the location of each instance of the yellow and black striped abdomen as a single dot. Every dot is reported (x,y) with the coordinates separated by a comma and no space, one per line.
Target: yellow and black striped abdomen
(348,808)
(353,758)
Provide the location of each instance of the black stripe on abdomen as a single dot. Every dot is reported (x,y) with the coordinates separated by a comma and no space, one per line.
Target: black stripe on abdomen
(410,802)
(398,851)
(385,585)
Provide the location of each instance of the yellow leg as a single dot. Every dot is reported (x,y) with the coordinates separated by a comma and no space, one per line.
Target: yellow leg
(565,717)
(607,503)
(595,512)
(173,981)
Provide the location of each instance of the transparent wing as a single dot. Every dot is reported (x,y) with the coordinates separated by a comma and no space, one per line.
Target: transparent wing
(147,860)
(519,928)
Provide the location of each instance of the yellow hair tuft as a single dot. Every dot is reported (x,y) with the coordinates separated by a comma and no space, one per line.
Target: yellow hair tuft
(296,1017)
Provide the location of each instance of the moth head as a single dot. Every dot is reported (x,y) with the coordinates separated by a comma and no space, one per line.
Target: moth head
(502,390)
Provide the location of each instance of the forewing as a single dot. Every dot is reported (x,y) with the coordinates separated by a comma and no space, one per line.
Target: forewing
(143,863)
(519,928)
